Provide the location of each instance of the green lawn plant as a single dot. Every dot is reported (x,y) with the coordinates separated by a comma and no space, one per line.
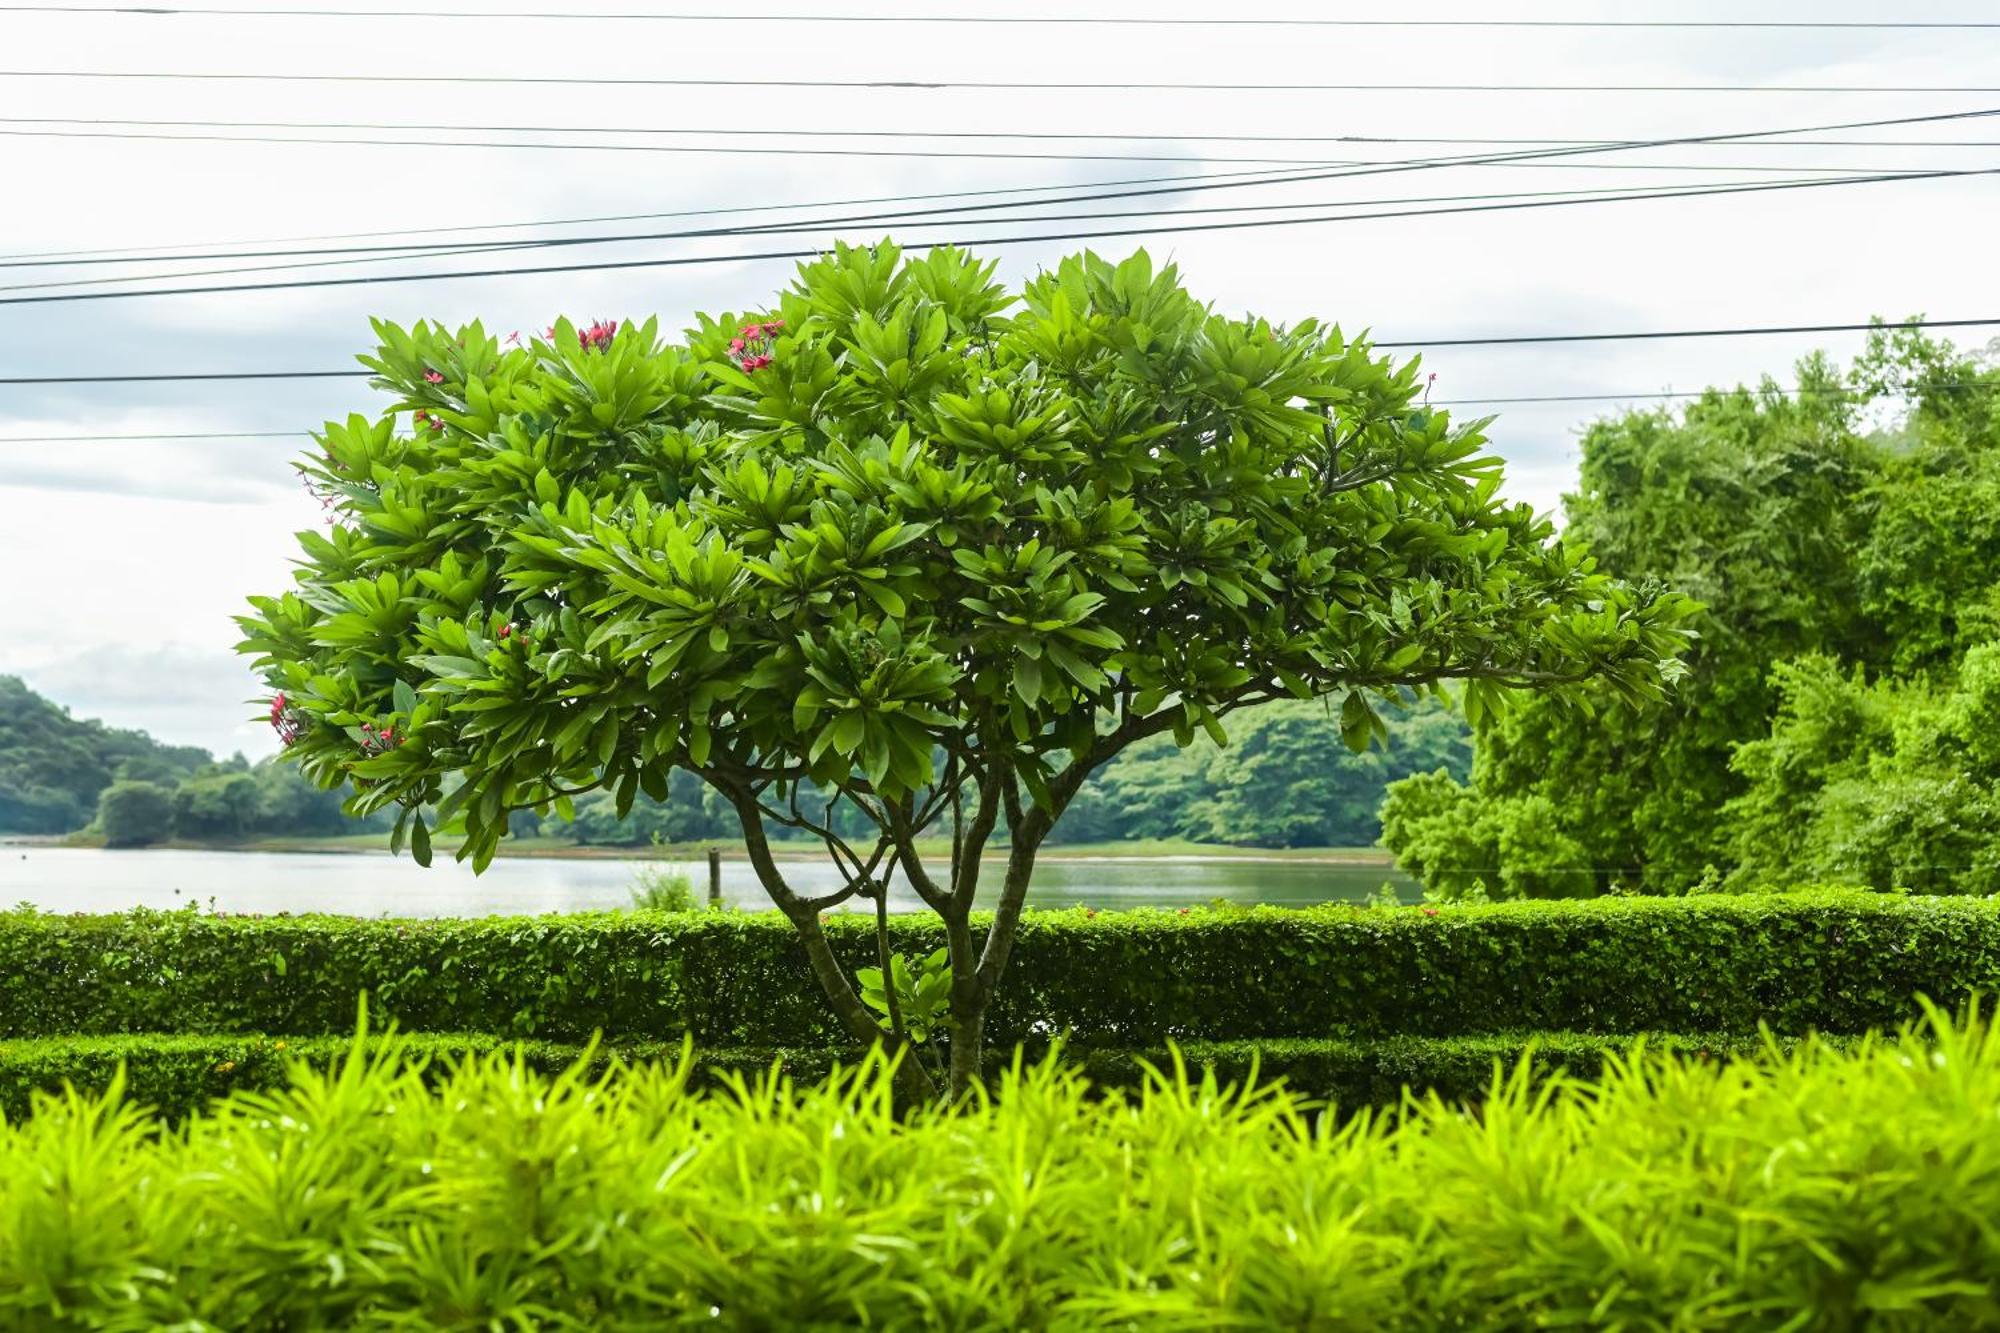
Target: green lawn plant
(1818,1188)
(930,548)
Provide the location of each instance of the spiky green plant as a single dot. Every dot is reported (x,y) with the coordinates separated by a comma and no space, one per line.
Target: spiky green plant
(1822,1188)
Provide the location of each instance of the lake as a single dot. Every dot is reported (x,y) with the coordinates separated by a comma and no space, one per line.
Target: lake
(68,879)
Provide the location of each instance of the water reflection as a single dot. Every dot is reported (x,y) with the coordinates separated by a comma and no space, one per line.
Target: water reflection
(375,884)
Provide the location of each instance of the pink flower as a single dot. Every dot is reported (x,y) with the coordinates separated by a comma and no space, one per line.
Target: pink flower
(514,338)
(735,344)
(433,377)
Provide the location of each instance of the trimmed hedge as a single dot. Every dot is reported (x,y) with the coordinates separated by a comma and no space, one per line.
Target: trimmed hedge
(1827,961)
(1837,1190)
(178,1075)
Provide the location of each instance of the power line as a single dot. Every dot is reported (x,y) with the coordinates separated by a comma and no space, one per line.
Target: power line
(736,210)
(682,261)
(1051,19)
(1516,339)
(977,85)
(789,151)
(1618,193)
(154,438)
(1565,149)
(738,131)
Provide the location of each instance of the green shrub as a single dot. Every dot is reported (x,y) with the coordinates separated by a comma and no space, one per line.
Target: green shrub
(178,1075)
(1824,1189)
(660,889)
(1836,962)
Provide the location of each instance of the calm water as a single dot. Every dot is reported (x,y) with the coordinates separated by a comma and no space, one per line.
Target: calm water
(373,884)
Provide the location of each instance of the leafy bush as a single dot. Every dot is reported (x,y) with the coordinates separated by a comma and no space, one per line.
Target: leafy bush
(1833,961)
(1682,1194)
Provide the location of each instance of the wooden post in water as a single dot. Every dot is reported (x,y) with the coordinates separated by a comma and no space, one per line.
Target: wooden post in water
(714,876)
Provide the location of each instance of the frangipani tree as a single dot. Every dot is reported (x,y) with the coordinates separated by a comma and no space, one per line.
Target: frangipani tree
(910,542)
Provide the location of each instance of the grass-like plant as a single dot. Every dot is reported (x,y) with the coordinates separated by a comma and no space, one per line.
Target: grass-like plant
(663,889)
(1822,1188)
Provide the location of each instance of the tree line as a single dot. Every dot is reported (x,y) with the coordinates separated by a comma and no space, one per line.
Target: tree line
(62,774)
(1285,780)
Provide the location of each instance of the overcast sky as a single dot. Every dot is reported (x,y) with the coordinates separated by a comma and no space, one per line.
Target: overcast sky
(122,562)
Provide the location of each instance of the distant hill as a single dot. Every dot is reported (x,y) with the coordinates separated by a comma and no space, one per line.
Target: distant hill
(52,765)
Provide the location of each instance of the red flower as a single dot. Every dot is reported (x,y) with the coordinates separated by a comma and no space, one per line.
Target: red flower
(773,325)
(1430,911)
(433,377)
(1184,911)
(735,344)
(505,630)
(550,333)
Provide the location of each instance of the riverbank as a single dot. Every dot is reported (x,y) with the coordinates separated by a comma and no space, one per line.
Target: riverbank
(1145,850)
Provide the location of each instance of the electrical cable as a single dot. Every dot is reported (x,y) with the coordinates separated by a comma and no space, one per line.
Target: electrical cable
(682,261)
(161,11)
(972,85)
(1504,340)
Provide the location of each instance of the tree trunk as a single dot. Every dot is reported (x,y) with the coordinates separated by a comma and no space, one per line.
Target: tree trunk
(914,1085)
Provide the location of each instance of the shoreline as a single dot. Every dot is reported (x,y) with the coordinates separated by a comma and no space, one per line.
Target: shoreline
(1138,854)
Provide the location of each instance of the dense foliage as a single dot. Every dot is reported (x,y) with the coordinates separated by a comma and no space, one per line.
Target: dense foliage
(176,1075)
(939,548)
(53,766)
(1837,962)
(1867,557)
(1672,1194)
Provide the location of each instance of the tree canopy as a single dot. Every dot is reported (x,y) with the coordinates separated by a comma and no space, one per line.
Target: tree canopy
(1844,567)
(937,548)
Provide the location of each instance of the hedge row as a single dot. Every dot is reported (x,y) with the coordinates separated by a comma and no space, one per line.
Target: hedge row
(1838,1190)
(177,1075)
(1831,961)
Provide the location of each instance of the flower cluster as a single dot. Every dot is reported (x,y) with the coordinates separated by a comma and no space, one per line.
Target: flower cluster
(751,350)
(436,423)
(593,339)
(287,721)
(507,633)
(375,742)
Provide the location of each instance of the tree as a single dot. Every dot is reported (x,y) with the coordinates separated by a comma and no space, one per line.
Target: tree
(935,550)
(135,814)
(1808,536)
(1749,501)
(217,803)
